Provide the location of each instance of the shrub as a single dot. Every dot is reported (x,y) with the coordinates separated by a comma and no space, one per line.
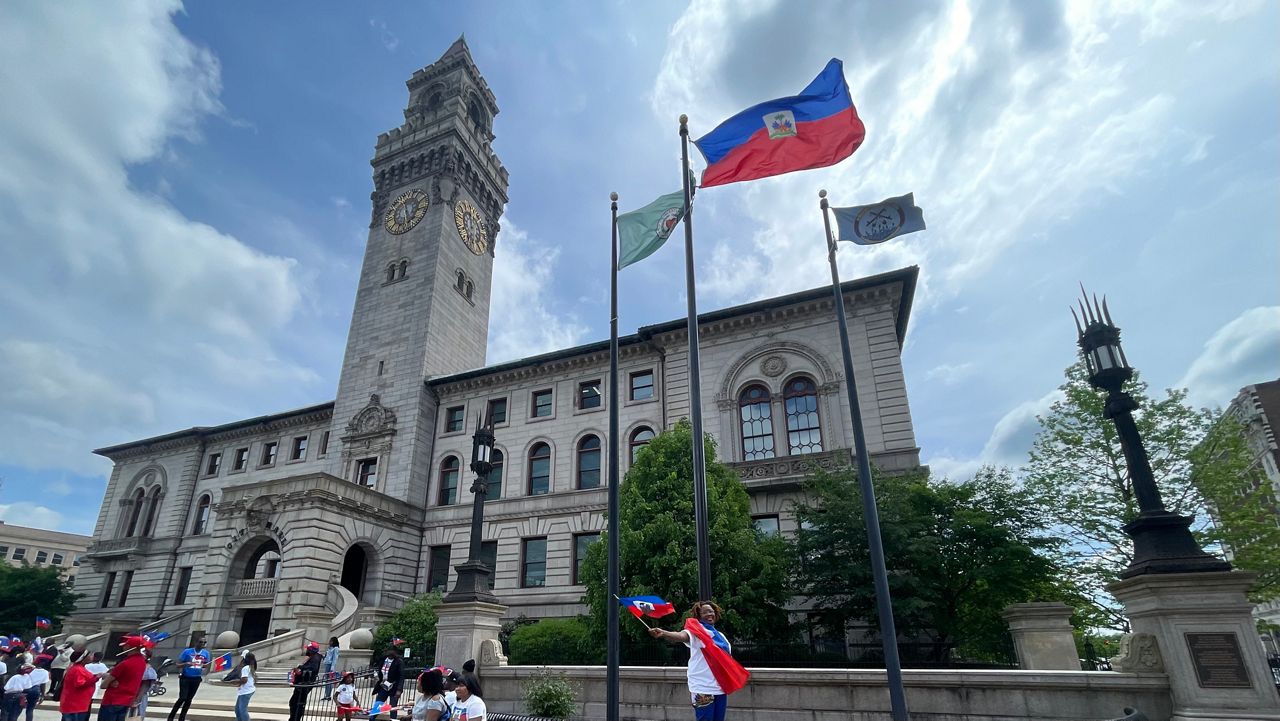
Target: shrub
(415,622)
(549,695)
(552,641)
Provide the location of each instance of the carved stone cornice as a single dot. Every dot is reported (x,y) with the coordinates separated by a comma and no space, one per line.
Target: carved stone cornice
(573,364)
(792,467)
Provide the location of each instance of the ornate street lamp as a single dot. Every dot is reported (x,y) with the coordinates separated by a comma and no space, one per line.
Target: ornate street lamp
(1162,541)
(473,576)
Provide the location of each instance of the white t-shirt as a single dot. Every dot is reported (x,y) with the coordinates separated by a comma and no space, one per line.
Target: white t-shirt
(701,679)
(18,683)
(425,704)
(250,684)
(4,670)
(346,694)
(451,698)
(469,710)
(39,676)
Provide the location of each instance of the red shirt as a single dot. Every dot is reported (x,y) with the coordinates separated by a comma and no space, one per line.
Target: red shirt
(77,689)
(128,674)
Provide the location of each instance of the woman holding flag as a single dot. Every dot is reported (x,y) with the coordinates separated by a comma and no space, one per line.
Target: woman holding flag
(713,674)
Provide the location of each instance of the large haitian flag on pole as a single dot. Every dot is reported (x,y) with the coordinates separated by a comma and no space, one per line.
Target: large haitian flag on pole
(817,128)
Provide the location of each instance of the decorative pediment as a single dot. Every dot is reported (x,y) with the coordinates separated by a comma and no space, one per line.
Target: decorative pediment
(373,419)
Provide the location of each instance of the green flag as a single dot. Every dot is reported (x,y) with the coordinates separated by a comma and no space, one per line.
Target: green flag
(643,231)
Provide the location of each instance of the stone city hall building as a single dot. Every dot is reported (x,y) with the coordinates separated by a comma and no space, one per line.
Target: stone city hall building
(323,519)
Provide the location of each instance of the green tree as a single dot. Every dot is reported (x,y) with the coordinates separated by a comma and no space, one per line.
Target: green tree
(1242,504)
(415,622)
(30,591)
(1078,478)
(957,554)
(555,642)
(657,545)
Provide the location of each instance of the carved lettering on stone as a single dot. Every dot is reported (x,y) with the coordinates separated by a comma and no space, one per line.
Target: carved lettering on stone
(1139,653)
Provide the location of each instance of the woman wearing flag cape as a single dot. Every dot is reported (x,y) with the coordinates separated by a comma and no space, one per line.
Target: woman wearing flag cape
(713,674)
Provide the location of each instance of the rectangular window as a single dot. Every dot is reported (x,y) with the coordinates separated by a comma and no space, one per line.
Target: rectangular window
(367,472)
(42,556)
(641,385)
(59,559)
(184,584)
(124,588)
(489,556)
(533,563)
(19,554)
(498,411)
(438,574)
(107,587)
(269,453)
(215,463)
(75,561)
(299,450)
(4,551)
(581,543)
(767,525)
(324,443)
(541,406)
(589,394)
(240,460)
(453,419)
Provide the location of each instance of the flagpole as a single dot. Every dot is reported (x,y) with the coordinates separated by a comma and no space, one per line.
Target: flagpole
(884,607)
(695,382)
(614,646)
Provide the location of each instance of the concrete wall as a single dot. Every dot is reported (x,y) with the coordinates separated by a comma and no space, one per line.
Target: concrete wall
(657,694)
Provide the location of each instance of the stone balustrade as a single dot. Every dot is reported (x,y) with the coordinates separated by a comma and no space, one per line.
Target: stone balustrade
(254,588)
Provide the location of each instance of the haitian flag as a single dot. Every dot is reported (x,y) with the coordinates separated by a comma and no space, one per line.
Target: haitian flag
(43,623)
(817,128)
(651,606)
(223,662)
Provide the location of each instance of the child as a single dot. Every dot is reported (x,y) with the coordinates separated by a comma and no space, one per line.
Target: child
(345,697)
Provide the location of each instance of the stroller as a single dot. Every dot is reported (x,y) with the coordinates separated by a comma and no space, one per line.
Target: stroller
(157,687)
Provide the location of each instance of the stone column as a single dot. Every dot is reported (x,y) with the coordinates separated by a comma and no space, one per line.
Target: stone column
(1203,627)
(469,630)
(1042,636)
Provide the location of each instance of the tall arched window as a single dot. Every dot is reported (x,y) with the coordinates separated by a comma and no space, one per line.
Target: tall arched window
(589,462)
(391,272)
(640,438)
(433,101)
(462,281)
(449,471)
(139,500)
(539,470)
(804,429)
(201,525)
(493,481)
(404,269)
(468,289)
(756,416)
(476,114)
(153,511)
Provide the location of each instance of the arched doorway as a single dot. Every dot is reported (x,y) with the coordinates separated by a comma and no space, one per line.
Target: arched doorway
(254,574)
(264,562)
(355,567)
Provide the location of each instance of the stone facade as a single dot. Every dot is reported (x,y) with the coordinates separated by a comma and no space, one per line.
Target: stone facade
(38,547)
(357,506)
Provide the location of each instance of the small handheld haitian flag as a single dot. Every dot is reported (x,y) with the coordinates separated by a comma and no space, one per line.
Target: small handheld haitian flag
(43,623)
(223,662)
(650,606)
(878,222)
(817,128)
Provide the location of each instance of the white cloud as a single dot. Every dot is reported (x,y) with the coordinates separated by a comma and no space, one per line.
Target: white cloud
(32,515)
(949,373)
(522,321)
(385,36)
(107,292)
(1242,352)
(1008,444)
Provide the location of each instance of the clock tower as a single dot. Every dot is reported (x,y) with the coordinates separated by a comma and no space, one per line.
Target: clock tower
(422,306)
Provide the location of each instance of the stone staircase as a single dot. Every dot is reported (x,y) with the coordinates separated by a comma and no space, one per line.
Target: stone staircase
(219,710)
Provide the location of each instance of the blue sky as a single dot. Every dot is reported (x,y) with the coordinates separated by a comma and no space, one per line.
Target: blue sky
(184,196)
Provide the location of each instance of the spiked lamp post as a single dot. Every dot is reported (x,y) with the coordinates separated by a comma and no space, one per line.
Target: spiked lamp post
(473,576)
(1162,541)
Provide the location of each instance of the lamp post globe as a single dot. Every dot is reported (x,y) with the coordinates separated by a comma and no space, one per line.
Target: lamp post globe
(1162,541)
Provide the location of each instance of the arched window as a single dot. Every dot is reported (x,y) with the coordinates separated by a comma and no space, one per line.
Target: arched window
(493,481)
(476,114)
(539,470)
(804,429)
(449,471)
(404,269)
(153,511)
(139,500)
(433,102)
(391,272)
(589,462)
(468,290)
(640,438)
(756,416)
(201,525)
(462,280)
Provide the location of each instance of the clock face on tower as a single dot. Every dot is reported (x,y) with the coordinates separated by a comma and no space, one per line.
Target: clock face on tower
(406,211)
(471,227)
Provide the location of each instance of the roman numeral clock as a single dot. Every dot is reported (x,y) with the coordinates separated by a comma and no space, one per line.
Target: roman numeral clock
(471,227)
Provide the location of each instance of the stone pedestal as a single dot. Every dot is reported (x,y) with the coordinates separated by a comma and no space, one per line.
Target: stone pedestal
(1204,629)
(1042,636)
(468,630)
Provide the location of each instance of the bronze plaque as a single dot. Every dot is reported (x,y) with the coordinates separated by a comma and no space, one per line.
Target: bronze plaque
(1217,660)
